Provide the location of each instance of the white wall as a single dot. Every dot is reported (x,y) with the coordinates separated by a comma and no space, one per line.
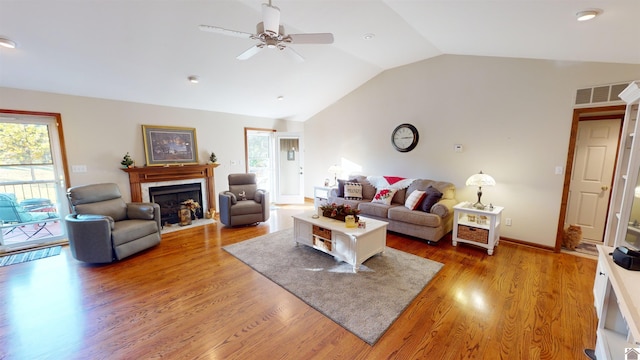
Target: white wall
(99,132)
(512,116)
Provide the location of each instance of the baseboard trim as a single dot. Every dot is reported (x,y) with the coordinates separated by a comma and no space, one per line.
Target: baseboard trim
(526,243)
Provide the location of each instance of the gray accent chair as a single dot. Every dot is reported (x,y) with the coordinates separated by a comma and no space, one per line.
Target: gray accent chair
(103,228)
(243,203)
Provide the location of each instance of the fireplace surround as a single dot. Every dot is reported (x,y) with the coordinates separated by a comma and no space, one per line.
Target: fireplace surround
(142,178)
(170,198)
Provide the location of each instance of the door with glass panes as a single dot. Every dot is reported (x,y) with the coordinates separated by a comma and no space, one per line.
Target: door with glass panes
(32,180)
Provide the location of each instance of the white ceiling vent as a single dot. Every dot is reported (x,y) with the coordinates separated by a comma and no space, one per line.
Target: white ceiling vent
(600,95)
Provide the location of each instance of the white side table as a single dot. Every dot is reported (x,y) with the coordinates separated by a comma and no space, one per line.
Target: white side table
(480,227)
(320,195)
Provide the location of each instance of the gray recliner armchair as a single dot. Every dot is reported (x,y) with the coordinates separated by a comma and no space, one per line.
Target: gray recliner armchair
(243,203)
(103,228)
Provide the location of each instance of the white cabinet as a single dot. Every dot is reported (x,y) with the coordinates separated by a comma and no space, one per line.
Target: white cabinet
(617,290)
(476,226)
(626,173)
(617,300)
(320,195)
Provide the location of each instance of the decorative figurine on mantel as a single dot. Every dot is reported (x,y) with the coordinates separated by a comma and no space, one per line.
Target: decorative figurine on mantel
(127,161)
(213,158)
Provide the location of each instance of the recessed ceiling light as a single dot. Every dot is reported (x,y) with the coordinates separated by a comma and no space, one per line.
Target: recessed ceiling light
(368,36)
(280,98)
(193,79)
(7,43)
(585,15)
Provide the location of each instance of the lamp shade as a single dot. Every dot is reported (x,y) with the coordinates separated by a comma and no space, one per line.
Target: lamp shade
(480,179)
(334,169)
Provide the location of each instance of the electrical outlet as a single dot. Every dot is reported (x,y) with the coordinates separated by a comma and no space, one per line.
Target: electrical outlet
(507,221)
(79,168)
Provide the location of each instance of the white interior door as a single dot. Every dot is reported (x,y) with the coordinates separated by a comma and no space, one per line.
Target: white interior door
(590,186)
(289,168)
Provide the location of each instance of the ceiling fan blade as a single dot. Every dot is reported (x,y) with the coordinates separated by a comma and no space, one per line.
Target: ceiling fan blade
(319,38)
(250,52)
(219,30)
(271,18)
(293,54)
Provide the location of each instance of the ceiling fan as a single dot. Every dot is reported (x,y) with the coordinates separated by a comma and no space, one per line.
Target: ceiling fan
(271,35)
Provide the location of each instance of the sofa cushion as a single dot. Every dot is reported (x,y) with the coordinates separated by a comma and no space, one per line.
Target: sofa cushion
(447,189)
(414,199)
(375,209)
(384,196)
(116,208)
(129,230)
(352,191)
(431,198)
(402,214)
(399,197)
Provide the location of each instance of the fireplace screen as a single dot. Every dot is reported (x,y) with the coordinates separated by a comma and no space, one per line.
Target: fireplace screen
(170,199)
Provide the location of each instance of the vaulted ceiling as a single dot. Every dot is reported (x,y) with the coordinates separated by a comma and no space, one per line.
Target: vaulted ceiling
(143,51)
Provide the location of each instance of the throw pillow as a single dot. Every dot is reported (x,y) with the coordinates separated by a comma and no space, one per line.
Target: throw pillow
(341,183)
(431,198)
(414,199)
(384,196)
(352,191)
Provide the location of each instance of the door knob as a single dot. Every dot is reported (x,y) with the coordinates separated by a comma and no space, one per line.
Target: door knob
(604,188)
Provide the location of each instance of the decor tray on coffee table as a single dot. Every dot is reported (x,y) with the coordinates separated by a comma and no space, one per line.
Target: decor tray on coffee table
(351,245)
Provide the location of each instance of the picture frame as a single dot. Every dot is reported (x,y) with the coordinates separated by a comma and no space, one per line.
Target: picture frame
(169,145)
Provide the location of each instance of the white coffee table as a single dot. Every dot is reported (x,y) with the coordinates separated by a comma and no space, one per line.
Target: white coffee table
(351,245)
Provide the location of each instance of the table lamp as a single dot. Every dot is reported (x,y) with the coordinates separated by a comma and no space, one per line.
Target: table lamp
(480,180)
(335,169)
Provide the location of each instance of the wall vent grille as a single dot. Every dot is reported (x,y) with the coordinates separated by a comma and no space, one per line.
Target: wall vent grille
(600,95)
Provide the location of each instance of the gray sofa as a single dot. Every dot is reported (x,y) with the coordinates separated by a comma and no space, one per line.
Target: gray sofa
(430,225)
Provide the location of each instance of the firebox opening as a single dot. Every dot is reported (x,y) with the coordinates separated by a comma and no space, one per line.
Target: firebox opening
(170,199)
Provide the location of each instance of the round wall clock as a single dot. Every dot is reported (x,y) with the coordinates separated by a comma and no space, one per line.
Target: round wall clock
(404,137)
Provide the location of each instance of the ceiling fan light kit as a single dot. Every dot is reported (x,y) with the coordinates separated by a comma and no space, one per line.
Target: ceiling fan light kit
(10,44)
(271,35)
(589,14)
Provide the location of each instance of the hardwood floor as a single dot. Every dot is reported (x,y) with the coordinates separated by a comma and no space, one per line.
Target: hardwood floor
(189,299)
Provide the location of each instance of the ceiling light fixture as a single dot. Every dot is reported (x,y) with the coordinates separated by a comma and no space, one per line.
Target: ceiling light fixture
(193,79)
(280,98)
(7,43)
(368,36)
(585,15)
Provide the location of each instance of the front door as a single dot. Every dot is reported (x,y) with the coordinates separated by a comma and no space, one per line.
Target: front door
(591,178)
(289,167)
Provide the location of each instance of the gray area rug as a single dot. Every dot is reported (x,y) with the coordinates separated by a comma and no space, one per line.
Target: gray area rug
(30,255)
(365,303)
(587,248)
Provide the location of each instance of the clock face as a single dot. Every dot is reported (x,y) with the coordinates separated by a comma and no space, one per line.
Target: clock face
(405,137)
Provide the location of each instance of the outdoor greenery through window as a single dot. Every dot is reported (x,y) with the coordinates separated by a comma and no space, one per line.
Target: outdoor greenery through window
(258,156)
(26,162)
